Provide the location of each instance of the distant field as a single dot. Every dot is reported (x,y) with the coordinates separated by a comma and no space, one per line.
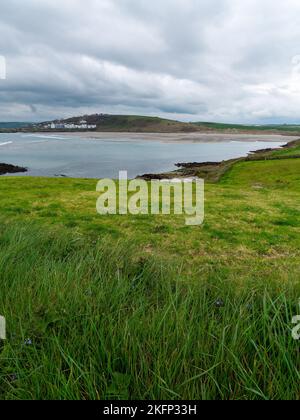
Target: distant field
(238,127)
(144,307)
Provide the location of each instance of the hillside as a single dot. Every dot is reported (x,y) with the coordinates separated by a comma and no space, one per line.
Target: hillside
(129,123)
(146,124)
(143,124)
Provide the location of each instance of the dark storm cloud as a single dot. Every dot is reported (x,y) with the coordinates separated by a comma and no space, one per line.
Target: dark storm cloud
(208,60)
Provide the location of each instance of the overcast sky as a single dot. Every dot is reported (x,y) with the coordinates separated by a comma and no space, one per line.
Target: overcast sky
(194,60)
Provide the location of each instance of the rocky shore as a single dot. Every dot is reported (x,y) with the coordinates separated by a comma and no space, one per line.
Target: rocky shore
(213,171)
(10,169)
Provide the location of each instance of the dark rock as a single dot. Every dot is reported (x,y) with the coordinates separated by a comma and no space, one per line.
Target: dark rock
(10,169)
(150,177)
(196,164)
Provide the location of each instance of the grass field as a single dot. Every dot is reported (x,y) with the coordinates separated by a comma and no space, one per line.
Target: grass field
(140,307)
(285,128)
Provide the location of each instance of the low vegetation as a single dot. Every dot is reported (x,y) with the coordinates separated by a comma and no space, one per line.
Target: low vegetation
(214,171)
(145,307)
(239,128)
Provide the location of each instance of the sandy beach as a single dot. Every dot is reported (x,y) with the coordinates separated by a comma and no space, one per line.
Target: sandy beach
(178,137)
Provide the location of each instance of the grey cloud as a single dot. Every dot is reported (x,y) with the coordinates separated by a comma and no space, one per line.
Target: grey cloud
(211,60)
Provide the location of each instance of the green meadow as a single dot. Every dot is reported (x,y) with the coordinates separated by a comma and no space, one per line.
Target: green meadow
(144,307)
(283,128)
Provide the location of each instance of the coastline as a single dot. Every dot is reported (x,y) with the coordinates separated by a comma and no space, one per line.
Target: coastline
(213,171)
(208,170)
(196,137)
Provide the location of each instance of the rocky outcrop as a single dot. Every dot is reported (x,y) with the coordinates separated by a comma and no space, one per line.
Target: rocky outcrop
(10,169)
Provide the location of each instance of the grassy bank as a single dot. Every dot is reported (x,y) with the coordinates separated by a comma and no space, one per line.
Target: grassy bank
(145,307)
(215,171)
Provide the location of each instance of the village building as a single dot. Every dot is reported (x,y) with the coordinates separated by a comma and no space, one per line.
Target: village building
(83,125)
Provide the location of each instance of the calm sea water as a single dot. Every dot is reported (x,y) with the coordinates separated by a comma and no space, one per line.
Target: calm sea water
(52,155)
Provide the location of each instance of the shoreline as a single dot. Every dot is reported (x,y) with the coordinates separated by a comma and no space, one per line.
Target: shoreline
(6,168)
(208,170)
(196,137)
(213,171)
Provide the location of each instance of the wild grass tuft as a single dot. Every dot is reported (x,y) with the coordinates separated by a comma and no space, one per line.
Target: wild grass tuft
(93,319)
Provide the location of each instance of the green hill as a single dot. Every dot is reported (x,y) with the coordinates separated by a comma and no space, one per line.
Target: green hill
(134,123)
(128,123)
(147,124)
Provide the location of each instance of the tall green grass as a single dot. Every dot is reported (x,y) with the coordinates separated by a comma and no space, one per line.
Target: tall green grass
(93,320)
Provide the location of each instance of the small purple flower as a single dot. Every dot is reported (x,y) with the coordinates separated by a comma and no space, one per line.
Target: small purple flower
(13,377)
(219,303)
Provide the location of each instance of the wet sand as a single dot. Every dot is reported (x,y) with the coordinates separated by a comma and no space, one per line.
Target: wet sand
(179,137)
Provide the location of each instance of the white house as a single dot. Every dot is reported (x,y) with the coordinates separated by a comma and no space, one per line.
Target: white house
(71,126)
